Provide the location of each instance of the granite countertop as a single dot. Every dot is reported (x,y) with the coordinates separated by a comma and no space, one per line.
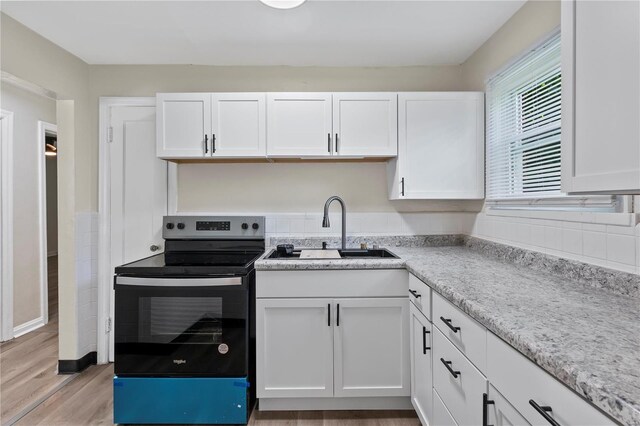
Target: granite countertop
(585,335)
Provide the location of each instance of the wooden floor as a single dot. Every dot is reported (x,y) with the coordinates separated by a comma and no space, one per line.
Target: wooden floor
(28,364)
(32,393)
(88,400)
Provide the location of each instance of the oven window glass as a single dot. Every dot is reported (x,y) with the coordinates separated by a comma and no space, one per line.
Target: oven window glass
(180,320)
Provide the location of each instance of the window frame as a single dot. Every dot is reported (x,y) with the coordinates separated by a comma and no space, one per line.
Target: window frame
(607,204)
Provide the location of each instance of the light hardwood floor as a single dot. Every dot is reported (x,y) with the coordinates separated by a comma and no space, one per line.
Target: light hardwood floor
(28,364)
(88,400)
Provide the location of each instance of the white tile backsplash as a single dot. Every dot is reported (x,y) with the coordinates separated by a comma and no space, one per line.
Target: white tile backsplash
(87,280)
(621,249)
(610,246)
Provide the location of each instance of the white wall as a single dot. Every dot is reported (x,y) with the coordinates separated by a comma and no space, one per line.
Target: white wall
(28,109)
(87,280)
(616,247)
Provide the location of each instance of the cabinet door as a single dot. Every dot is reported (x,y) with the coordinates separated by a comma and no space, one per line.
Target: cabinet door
(238,125)
(299,125)
(421,361)
(500,412)
(600,102)
(365,124)
(294,348)
(372,347)
(440,146)
(183,123)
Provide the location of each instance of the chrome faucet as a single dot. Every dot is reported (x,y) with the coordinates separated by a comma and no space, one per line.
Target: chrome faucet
(325,218)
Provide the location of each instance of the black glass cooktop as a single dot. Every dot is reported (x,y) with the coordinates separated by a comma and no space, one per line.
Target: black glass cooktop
(186,263)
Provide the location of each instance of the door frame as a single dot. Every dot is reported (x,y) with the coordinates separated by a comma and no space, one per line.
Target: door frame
(6,226)
(105,277)
(43,128)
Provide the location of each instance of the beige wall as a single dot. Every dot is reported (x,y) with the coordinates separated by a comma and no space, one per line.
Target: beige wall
(294,188)
(279,187)
(530,24)
(27,109)
(32,58)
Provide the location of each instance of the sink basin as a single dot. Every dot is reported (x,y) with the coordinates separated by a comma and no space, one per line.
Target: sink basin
(344,254)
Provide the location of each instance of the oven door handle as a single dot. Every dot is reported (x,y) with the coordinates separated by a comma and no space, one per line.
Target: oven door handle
(179,282)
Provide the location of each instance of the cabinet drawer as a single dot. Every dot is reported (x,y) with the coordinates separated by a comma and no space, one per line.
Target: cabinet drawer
(461,388)
(500,412)
(521,381)
(441,416)
(464,332)
(420,295)
(332,283)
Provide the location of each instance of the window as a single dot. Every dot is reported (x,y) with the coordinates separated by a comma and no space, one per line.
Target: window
(523,126)
(523,136)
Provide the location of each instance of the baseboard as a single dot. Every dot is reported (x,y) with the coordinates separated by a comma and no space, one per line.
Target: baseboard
(52,253)
(28,327)
(360,403)
(72,366)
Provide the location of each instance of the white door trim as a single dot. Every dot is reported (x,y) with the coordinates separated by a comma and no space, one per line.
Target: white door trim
(6,226)
(105,279)
(43,129)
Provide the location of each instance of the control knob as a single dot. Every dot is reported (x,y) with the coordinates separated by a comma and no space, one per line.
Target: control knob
(255,226)
(181,226)
(245,226)
(170,225)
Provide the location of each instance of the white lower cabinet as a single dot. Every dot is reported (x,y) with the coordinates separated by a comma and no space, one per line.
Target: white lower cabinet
(421,359)
(294,348)
(441,415)
(323,347)
(371,347)
(457,381)
(499,412)
(539,395)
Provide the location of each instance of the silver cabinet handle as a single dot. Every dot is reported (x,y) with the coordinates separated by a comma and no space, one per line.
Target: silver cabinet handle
(154,247)
(206,144)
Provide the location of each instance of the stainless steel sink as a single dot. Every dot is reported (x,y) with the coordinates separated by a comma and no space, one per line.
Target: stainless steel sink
(344,254)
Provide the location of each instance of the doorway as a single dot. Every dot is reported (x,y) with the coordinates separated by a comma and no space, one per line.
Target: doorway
(48,141)
(6,229)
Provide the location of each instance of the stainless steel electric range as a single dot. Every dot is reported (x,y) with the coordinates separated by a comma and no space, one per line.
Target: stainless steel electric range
(185,324)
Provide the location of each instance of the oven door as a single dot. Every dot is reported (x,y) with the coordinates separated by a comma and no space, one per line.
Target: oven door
(181,326)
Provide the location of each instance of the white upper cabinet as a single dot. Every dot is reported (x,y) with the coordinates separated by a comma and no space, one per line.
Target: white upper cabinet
(365,124)
(600,102)
(238,125)
(440,146)
(299,125)
(183,125)
(206,125)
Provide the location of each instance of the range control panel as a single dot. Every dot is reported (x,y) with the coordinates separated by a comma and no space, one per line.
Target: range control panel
(212,227)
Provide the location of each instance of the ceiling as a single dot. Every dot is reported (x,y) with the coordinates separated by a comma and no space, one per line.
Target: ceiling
(246,32)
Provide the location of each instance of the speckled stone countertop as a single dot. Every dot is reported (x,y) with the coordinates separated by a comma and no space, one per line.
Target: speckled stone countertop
(586,333)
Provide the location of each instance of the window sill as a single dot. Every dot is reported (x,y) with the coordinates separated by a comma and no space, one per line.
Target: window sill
(617,219)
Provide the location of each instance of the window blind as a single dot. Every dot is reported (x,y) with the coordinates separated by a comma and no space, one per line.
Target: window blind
(523,126)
